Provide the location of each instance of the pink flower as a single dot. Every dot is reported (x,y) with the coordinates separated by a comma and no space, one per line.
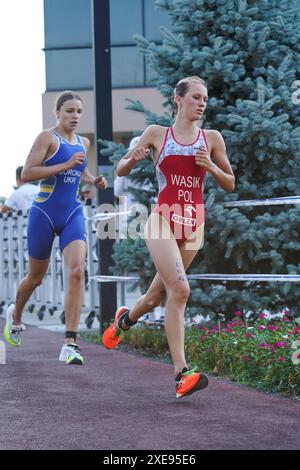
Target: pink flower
(228,330)
(296,330)
(261,327)
(237,314)
(272,327)
(281,359)
(235,322)
(264,345)
(202,338)
(262,316)
(248,335)
(212,332)
(279,344)
(245,358)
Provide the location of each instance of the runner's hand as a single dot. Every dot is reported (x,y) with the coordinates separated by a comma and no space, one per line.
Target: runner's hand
(100,182)
(202,158)
(76,159)
(139,153)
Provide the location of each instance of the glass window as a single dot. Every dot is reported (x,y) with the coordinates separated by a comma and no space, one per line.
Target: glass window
(69,69)
(127,68)
(125,21)
(154,18)
(67,23)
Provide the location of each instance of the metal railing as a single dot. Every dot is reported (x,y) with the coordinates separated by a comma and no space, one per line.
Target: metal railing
(50,295)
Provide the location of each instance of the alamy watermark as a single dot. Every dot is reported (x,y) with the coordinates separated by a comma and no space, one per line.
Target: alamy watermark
(122,222)
(296,354)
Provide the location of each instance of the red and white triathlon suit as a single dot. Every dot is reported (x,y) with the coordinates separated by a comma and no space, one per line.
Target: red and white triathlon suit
(180,183)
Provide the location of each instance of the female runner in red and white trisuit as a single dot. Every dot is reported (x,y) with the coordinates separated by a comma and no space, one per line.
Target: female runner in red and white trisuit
(174,232)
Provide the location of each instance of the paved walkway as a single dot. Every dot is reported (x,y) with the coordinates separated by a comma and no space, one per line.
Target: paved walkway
(123,401)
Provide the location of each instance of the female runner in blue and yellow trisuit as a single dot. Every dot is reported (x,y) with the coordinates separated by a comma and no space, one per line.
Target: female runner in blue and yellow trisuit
(58,159)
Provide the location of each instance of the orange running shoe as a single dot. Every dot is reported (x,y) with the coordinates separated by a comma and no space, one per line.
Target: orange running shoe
(112,335)
(188,381)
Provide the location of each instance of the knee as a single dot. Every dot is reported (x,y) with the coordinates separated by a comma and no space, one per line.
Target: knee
(35,280)
(76,274)
(180,293)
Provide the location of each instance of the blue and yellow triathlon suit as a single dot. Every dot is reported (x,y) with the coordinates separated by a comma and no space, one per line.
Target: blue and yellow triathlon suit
(57,209)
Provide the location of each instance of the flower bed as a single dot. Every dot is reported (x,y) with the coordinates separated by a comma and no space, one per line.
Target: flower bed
(263,353)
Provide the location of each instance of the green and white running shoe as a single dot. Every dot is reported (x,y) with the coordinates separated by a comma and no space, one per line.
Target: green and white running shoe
(12,333)
(71,354)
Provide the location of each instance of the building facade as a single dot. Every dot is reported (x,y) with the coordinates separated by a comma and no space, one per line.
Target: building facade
(69,61)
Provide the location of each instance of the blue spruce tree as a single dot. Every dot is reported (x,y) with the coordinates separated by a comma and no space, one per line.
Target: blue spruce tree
(248,53)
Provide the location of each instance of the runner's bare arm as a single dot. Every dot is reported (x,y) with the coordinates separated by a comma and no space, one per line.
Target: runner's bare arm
(219,165)
(34,170)
(147,141)
(87,177)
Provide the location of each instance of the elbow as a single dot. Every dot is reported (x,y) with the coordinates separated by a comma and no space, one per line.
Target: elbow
(229,188)
(119,171)
(232,186)
(25,176)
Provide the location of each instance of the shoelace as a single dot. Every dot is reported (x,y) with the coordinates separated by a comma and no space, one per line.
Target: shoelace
(75,347)
(181,376)
(119,323)
(17,328)
(180,383)
(117,331)
(118,327)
